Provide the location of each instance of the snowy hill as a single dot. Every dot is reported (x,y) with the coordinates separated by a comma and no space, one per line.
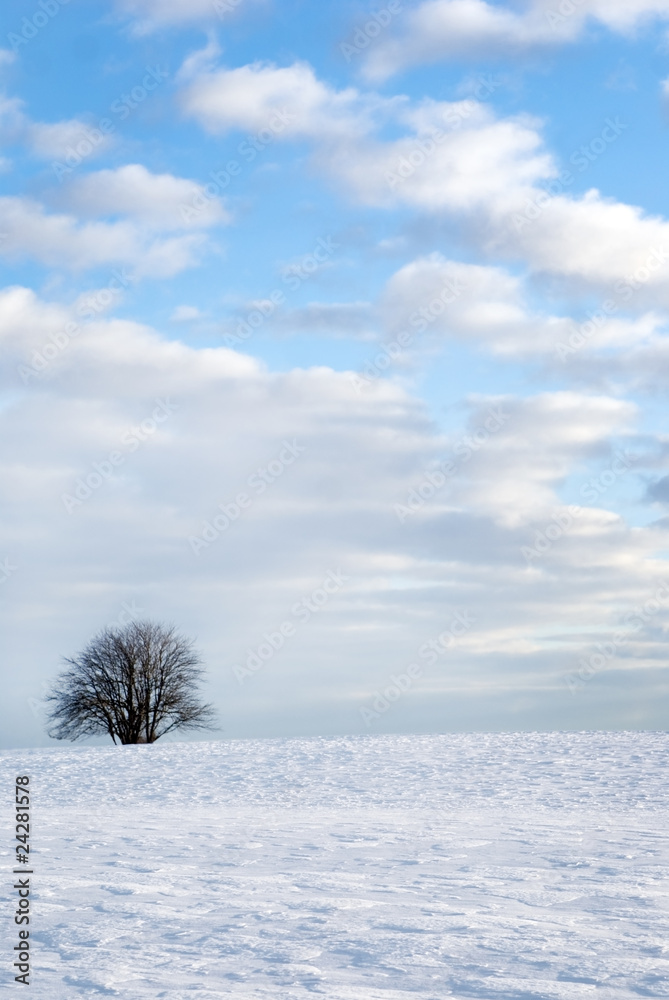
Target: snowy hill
(355,868)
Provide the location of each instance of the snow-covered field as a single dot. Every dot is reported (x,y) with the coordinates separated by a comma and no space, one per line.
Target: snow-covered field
(498,866)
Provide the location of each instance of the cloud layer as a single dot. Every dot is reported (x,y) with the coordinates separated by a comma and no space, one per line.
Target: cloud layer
(135,457)
(461,29)
(444,415)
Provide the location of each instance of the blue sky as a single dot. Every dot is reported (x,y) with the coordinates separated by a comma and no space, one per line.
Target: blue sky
(418,208)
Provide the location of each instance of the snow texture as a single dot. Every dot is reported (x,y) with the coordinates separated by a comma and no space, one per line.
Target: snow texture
(505,866)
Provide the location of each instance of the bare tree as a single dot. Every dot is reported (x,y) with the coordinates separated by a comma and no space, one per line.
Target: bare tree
(135,683)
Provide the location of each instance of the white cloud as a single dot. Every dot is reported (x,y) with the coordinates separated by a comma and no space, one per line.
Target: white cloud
(433,298)
(516,478)
(138,207)
(498,178)
(200,61)
(476,162)
(442,29)
(62,241)
(638,364)
(48,140)
(54,140)
(491,174)
(456,29)
(289,101)
(26,321)
(159,201)
(12,118)
(332,508)
(474,159)
(133,351)
(151,15)
(622,16)
(589,240)
(494,175)
(186,314)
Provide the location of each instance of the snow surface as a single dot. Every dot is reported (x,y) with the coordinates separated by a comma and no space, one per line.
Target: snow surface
(356,868)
